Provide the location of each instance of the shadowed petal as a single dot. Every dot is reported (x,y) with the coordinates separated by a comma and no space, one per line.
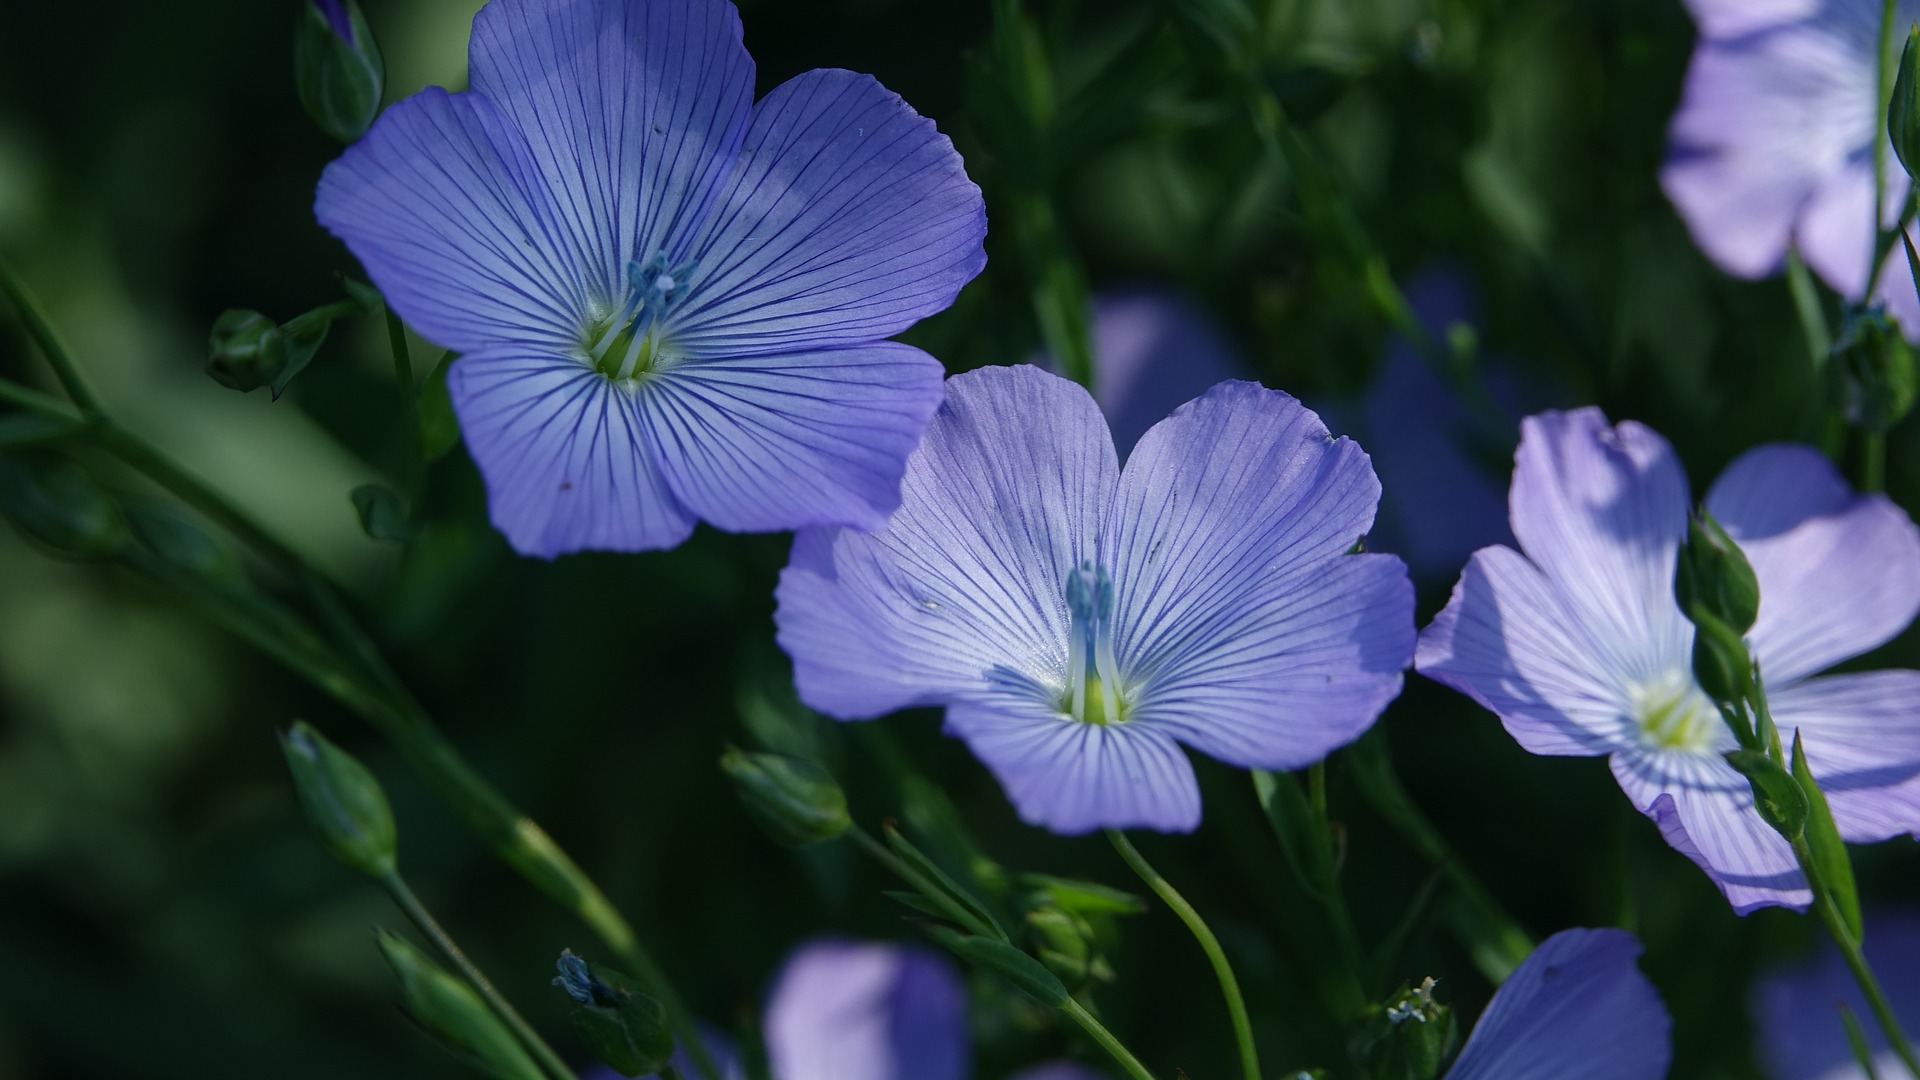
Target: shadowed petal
(1073,777)
(1705,810)
(1862,736)
(770,442)
(633,109)
(1601,511)
(1506,640)
(849,219)
(962,591)
(1153,351)
(1732,18)
(568,459)
(440,203)
(866,1011)
(1839,573)
(1796,1012)
(1577,1009)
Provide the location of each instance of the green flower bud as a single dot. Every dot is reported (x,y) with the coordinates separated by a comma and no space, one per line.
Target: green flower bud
(1067,945)
(1777,796)
(1871,380)
(1903,112)
(1713,574)
(343,801)
(1408,1037)
(622,1026)
(337,68)
(179,541)
(796,801)
(452,1012)
(246,351)
(54,502)
(383,514)
(1721,664)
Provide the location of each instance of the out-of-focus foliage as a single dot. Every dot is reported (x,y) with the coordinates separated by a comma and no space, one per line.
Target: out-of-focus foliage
(164,911)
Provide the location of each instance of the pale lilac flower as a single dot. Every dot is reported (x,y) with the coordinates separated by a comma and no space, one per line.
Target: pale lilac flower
(670,300)
(846,1010)
(1796,1012)
(1580,648)
(1577,1009)
(1773,142)
(1080,622)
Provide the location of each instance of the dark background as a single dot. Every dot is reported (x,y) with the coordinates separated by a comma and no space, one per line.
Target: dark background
(164,911)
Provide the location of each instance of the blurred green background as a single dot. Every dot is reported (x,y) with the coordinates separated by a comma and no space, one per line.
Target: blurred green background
(164,911)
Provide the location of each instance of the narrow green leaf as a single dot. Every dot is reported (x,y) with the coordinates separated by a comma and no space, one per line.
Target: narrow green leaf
(913,857)
(1011,964)
(1777,796)
(1303,837)
(439,428)
(1829,850)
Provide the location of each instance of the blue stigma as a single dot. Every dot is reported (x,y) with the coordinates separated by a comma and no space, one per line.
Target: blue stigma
(1093,675)
(630,344)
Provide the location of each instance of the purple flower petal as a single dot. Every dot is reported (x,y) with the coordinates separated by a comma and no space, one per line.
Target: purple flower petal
(961,592)
(770,442)
(439,201)
(1506,640)
(1839,573)
(1705,810)
(1074,777)
(1796,1012)
(566,453)
(849,218)
(862,1011)
(1252,635)
(1577,1009)
(1862,736)
(1153,351)
(634,110)
(1601,511)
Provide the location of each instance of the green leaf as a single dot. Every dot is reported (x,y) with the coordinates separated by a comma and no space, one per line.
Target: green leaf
(302,336)
(1777,796)
(365,295)
(1303,836)
(1002,959)
(439,428)
(382,513)
(913,857)
(1830,859)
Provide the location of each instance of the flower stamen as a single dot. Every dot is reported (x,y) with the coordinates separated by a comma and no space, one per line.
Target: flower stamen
(1093,674)
(630,344)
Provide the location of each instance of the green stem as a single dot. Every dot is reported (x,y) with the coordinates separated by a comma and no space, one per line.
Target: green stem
(516,838)
(1229,986)
(1842,935)
(1873,461)
(51,346)
(1106,1040)
(396,887)
(36,402)
(1883,93)
(416,467)
(1497,943)
(927,887)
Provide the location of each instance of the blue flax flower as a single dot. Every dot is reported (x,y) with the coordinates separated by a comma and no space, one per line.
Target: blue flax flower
(1577,1009)
(1773,142)
(844,1010)
(670,299)
(1796,1012)
(1080,621)
(1580,648)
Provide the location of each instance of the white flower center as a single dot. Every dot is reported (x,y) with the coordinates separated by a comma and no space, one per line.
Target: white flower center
(1673,713)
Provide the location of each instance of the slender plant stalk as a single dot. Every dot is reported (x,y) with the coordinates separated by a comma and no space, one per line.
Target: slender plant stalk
(1842,935)
(1101,1035)
(403,896)
(367,684)
(1229,986)
(1873,461)
(416,467)
(1883,93)
(927,888)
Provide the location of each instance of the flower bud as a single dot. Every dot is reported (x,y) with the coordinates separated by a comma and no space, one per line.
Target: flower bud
(54,502)
(1066,945)
(796,801)
(622,1026)
(1870,372)
(1721,664)
(1713,574)
(337,68)
(1408,1037)
(179,542)
(383,514)
(246,351)
(452,1012)
(343,801)
(1777,796)
(1903,112)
